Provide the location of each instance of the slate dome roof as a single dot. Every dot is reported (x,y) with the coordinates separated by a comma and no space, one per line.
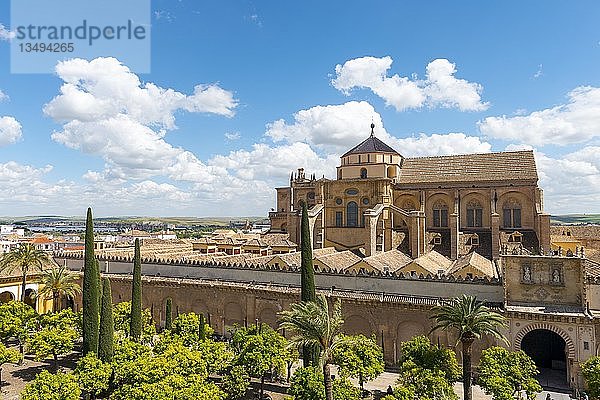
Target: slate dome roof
(371,145)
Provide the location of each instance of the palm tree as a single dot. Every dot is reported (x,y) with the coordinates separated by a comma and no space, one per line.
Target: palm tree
(58,282)
(471,319)
(23,258)
(315,326)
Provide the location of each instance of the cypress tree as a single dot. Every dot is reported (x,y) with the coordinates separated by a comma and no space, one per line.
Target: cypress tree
(106,341)
(310,355)
(169,314)
(135,327)
(91,316)
(100,292)
(307,278)
(201,329)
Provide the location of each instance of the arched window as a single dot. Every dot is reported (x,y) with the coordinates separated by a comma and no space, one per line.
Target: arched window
(440,214)
(363,173)
(408,205)
(511,214)
(474,214)
(352,214)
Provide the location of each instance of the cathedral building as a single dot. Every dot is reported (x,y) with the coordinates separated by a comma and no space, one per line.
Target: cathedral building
(486,203)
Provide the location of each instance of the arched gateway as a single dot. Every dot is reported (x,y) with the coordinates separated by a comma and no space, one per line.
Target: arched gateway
(550,348)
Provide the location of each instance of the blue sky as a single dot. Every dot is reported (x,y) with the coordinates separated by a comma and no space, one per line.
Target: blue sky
(437,78)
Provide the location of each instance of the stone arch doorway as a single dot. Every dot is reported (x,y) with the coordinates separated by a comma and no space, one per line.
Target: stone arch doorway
(31,298)
(549,351)
(5,297)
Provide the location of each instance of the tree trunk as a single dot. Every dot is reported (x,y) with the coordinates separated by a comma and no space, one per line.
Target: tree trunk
(361,383)
(262,386)
(327,381)
(55,298)
(466,361)
(55,361)
(23,284)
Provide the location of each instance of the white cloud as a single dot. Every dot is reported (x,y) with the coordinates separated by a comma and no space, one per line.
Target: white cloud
(439,144)
(6,34)
(274,163)
(10,131)
(231,136)
(336,128)
(440,88)
(539,72)
(571,183)
(107,111)
(3,96)
(574,122)
(332,127)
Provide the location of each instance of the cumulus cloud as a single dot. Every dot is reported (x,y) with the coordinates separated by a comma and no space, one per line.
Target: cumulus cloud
(6,34)
(10,131)
(440,88)
(231,136)
(336,128)
(571,183)
(106,110)
(274,163)
(436,144)
(332,127)
(3,96)
(574,122)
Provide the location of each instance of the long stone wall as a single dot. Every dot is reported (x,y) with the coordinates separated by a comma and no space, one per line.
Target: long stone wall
(427,287)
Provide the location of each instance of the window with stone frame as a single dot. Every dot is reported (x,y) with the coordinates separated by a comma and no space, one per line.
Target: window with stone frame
(339,218)
(352,214)
(440,214)
(474,214)
(511,214)
(363,173)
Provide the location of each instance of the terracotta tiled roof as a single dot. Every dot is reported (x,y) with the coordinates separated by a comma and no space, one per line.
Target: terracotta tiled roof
(41,240)
(505,166)
(477,262)
(278,240)
(433,262)
(371,145)
(393,259)
(338,261)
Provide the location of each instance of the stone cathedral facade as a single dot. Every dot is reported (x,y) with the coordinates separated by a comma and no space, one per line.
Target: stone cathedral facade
(451,204)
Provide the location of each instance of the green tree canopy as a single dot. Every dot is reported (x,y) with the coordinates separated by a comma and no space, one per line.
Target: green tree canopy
(7,355)
(122,318)
(259,349)
(591,372)
(236,382)
(471,319)
(24,258)
(52,341)
(93,375)
(17,320)
(307,384)
(313,325)
(47,386)
(504,374)
(359,357)
(56,282)
(426,355)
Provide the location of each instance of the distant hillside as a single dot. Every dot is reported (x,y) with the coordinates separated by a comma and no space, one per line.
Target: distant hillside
(189,221)
(575,219)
